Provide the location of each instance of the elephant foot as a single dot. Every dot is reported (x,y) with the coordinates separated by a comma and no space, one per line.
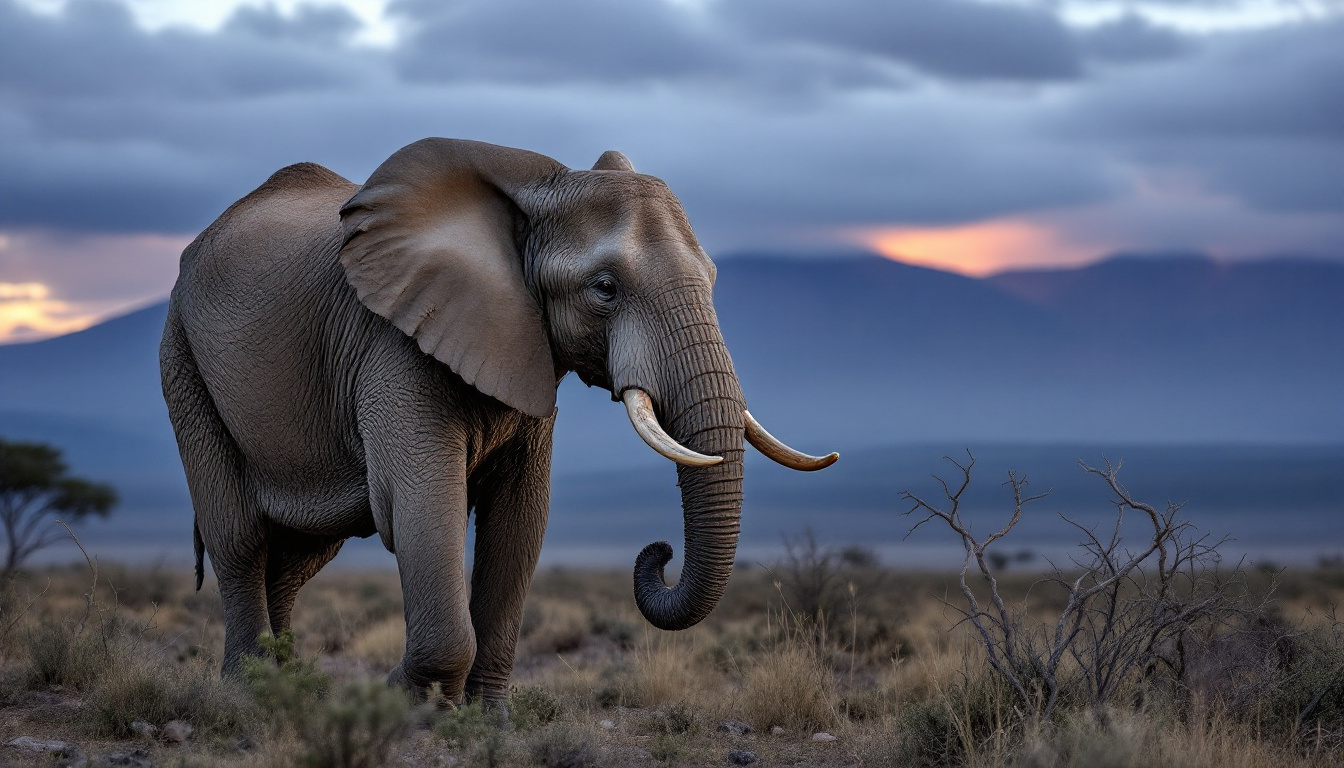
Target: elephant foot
(423,694)
(397,679)
(496,713)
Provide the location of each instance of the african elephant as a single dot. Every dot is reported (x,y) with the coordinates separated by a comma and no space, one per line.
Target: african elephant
(342,361)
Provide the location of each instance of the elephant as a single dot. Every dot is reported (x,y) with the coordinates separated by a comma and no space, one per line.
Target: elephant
(342,360)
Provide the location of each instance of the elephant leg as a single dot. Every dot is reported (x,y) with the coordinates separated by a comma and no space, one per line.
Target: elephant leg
(430,533)
(228,520)
(243,593)
(292,559)
(511,510)
(235,532)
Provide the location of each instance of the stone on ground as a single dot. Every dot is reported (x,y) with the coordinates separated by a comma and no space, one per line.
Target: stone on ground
(735,727)
(177,730)
(742,757)
(42,745)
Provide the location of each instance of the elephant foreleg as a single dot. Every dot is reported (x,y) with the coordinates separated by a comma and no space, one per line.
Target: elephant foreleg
(511,510)
(430,533)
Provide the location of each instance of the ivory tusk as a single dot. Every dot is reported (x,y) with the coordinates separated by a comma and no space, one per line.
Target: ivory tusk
(639,408)
(780,453)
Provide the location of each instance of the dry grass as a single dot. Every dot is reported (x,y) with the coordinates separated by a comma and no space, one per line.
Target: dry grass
(381,644)
(885,672)
(790,687)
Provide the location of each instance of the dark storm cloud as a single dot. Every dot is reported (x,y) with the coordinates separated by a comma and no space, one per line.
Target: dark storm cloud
(1132,39)
(546,41)
(620,43)
(1305,177)
(879,166)
(1277,83)
(1258,115)
(761,115)
(102,120)
(309,23)
(94,49)
(108,188)
(952,38)
(618,40)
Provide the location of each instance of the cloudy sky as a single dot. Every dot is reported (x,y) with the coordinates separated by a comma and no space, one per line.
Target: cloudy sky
(972,135)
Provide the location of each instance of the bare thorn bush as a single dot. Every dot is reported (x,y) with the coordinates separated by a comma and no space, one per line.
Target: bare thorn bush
(1126,611)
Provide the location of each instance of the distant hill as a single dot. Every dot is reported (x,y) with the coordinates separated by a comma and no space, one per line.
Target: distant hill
(107,374)
(1160,289)
(1136,350)
(849,354)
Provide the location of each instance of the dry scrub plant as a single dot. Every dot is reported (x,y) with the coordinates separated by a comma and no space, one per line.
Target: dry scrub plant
(121,672)
(1126,612)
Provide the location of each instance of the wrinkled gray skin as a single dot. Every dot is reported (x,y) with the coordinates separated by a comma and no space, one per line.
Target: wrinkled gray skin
(342,361)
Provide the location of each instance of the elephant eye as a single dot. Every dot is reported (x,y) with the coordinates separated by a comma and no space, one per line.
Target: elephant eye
(605,287)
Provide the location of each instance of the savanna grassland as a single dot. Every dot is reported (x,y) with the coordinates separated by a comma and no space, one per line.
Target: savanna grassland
(826,642)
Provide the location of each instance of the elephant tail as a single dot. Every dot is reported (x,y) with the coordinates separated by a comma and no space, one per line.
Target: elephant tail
(199,543)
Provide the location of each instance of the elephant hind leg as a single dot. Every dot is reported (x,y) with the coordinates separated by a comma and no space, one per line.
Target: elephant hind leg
(228,522)
(292,559)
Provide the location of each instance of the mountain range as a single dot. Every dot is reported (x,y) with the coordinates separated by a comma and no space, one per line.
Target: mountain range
(1213,374)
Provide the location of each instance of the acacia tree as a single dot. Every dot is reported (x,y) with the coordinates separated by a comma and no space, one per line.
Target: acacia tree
(34,486)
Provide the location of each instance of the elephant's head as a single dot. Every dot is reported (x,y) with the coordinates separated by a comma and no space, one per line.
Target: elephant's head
(514,270)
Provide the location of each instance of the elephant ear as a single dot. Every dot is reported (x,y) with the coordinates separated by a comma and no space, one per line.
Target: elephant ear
(611,160)
(433,241)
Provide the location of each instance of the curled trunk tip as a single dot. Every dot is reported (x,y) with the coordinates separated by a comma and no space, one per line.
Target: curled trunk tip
(651,586)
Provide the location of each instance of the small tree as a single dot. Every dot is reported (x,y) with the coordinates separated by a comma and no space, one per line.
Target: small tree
(33,487)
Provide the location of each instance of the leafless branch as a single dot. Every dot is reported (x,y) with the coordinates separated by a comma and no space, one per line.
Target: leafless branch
(1123,609)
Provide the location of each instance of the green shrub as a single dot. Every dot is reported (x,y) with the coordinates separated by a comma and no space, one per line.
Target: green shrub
(532,707)
(666,748)
(476,730)
(678,719)
(464,726)
(279,647)
(281,683)
(927,736)
(356,727)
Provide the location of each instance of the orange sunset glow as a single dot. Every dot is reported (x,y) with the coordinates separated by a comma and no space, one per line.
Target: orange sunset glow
(975,249)
(27,313)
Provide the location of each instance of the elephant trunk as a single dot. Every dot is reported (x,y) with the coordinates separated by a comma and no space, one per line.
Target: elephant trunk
(701,407)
